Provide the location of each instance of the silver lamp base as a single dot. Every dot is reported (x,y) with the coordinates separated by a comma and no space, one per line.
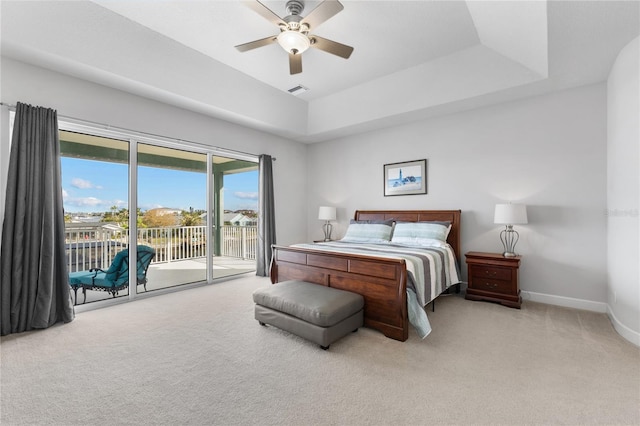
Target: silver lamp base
(327,230)
(509,238)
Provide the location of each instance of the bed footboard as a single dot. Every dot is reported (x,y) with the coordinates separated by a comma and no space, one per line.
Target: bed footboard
(381,281)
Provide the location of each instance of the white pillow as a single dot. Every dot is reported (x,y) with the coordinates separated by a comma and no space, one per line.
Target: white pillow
(430,234)
(369,232)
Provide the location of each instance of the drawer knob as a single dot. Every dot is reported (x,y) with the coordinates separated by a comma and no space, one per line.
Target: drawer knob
(490,285)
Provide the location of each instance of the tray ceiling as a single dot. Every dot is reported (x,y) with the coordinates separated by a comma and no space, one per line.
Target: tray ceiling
(412,59)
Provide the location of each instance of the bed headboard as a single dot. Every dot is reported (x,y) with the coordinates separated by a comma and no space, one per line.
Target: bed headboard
(452,216)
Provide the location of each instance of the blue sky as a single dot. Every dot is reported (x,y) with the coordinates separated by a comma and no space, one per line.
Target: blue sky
(95,186)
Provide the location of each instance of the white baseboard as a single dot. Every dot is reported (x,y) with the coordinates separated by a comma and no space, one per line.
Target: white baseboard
(587,305)
(568,302)
(623,330)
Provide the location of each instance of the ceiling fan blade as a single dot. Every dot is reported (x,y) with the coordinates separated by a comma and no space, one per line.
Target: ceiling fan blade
(295,63)
(265,12)
(323,12)
(331,46)
(257,43)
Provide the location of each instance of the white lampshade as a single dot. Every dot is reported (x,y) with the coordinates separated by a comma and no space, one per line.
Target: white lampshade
(327,213)
(510,214)
(293,41)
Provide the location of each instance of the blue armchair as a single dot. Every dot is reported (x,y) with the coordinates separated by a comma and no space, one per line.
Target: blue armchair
(115,278)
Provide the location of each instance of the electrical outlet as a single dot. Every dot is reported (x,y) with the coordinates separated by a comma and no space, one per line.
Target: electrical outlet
(615,297)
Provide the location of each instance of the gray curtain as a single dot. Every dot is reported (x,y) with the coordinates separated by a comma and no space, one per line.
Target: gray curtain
(34,290)
(266,217)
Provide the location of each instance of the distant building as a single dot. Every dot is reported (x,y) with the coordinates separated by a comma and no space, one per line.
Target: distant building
(238,219)
(92,230)
(235,219)
(85,218)
(162,211)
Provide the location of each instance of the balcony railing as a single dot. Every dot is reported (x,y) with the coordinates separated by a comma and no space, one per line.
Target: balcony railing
(95,247)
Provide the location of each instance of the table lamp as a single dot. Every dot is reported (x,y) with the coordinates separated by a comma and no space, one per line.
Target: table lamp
(509,215)
(327,214)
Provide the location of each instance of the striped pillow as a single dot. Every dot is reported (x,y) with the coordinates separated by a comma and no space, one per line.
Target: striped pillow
(369,231)
(432,234)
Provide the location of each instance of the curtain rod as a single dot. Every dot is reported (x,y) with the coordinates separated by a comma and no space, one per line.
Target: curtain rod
(123,129)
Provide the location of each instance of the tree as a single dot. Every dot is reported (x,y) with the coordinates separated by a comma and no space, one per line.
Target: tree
(191,217)
(121,217)
(115,215)
(156,218)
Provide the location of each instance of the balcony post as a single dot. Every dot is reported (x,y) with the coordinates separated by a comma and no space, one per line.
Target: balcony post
(218,211)
(168,238)
(243,241)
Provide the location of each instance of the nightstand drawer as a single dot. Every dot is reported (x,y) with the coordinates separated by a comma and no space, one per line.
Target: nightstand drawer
(494,286)
(492,272)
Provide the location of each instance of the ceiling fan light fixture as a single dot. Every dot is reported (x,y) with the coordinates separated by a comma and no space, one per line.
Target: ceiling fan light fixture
(294,35)
(293,41)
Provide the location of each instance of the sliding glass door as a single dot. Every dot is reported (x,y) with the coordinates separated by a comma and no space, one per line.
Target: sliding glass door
(172,201)
(195,212)
(95,182)
(235,219)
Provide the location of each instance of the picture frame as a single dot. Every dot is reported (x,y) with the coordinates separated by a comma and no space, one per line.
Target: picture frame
(405,178)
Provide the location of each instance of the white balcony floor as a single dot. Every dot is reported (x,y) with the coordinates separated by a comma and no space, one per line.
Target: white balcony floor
(179,272)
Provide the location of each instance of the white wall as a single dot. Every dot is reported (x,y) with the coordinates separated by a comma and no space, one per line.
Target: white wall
(548,152)
(83,100)
(623,192)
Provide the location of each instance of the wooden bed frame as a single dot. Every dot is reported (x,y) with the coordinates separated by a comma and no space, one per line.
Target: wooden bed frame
(382,282)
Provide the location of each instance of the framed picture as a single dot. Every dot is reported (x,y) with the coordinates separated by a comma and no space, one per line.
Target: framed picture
(407,178)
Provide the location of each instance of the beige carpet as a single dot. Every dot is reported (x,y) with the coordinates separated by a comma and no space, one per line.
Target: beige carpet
(198,357)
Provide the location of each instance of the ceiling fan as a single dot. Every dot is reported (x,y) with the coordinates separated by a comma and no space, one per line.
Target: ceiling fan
(294,34)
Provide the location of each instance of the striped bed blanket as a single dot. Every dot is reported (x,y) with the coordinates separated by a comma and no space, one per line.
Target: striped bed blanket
(431,270)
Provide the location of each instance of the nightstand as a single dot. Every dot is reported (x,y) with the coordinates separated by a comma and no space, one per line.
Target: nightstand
(494,278)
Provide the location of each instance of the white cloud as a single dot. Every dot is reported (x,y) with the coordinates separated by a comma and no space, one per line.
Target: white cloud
(83,201)
(145,207)
(246,195)
(87,201)
(83,184)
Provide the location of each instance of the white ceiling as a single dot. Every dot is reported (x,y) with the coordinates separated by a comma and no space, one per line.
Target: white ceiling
(411,59)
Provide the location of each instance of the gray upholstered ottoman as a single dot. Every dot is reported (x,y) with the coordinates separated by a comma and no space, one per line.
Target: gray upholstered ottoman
(318,313)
